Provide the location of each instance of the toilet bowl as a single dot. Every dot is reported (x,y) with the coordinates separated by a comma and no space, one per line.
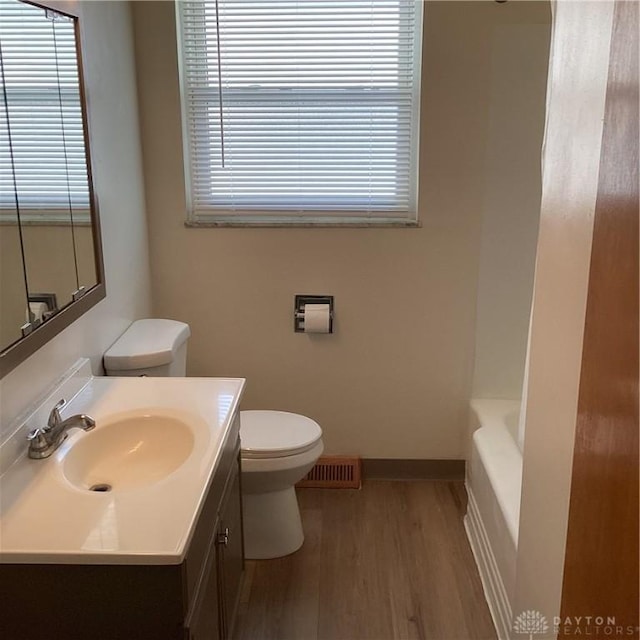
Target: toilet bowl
(278,448)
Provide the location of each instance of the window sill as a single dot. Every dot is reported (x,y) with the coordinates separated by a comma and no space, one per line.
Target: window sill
(266,224)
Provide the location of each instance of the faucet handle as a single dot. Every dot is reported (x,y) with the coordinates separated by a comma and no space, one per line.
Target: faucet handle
(37,440)
(54,416)
(34,434)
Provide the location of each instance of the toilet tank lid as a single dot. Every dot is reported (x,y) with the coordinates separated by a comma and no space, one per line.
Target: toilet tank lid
(146,343)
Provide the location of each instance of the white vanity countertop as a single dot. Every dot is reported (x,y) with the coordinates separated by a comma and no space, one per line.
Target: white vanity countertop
(46,519)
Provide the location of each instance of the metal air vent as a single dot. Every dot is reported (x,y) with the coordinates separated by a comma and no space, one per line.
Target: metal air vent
(334,472)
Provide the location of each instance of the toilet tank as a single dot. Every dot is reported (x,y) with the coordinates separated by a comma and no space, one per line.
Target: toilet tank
(155,348)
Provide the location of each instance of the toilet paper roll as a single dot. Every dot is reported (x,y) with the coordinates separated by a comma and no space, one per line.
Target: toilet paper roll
(316,318)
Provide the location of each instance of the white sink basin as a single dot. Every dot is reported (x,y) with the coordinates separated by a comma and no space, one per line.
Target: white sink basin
(130,451)
(157,443)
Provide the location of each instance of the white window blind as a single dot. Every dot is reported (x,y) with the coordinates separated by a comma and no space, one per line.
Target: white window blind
(303,110)
(43,167)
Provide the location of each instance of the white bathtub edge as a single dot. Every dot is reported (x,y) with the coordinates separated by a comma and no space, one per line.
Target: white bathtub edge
(492,584)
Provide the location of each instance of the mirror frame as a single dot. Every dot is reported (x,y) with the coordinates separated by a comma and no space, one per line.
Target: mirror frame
(19,351)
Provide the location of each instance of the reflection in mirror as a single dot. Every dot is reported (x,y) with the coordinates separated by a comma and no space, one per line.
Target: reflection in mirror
(49,261)
(42,101)
(85,256)
(13,290)
(50,235)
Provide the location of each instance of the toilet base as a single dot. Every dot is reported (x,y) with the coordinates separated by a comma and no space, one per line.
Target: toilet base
(272,524)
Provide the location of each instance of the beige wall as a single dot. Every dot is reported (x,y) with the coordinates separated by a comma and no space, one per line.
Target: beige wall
(111,95)
(511,207)
(577,87)
(395,378)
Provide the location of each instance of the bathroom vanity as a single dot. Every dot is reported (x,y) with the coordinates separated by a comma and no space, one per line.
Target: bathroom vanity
(159,554)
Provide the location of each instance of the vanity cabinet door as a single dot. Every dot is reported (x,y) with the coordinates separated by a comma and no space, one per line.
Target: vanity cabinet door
(216,592)
(230,553)
(205,623)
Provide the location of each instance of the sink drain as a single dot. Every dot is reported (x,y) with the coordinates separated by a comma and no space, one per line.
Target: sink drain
(103,487)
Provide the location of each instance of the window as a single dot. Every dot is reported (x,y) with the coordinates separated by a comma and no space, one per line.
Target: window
(301,111)
(43,164)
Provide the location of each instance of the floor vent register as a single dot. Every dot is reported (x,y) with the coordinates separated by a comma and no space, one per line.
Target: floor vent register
(334,472)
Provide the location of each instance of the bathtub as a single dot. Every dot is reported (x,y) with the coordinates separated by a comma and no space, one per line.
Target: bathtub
(493,482)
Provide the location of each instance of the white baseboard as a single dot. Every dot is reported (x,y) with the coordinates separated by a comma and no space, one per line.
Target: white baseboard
(492,584)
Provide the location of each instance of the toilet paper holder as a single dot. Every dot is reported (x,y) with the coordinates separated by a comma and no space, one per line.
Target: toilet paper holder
(298,312)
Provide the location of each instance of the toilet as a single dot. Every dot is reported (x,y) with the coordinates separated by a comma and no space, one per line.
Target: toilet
(277,448)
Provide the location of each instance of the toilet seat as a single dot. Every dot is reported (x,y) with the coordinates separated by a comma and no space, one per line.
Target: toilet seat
(276,434)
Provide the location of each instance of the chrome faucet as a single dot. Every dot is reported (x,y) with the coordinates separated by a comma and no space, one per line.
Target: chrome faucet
(44,441)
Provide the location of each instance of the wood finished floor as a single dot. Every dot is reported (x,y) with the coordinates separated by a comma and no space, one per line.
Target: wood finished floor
(388,562)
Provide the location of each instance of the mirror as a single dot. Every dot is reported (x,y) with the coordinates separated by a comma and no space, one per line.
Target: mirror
(51,259)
